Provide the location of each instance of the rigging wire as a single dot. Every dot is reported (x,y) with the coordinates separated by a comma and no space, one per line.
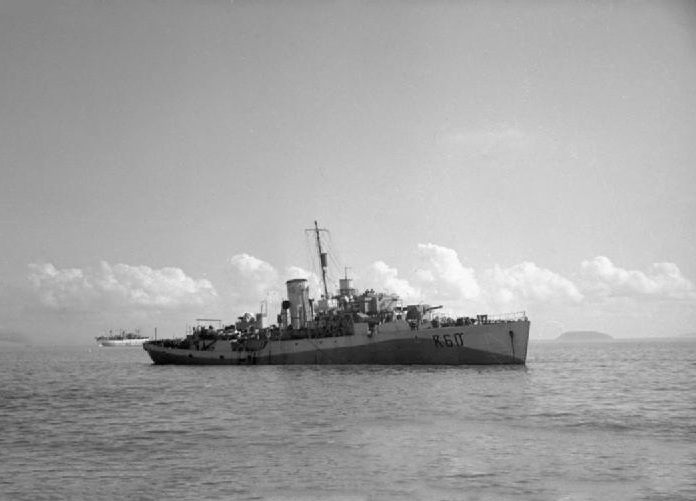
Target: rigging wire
(333,255)
(333,268)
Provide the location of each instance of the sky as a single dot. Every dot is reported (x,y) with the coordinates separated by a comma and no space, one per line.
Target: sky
(161,161)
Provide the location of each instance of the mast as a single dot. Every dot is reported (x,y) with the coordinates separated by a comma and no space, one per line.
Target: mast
(322,259)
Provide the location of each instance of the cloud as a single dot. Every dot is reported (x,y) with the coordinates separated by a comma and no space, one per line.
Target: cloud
(252,267)
(440,277)
(386,279)
(120,285)
(293,272)
(425,276)
(442,268)
(528,282)
(253,280)
(253,277)
(603,278)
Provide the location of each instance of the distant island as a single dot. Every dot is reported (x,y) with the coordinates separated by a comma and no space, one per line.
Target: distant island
(579,336)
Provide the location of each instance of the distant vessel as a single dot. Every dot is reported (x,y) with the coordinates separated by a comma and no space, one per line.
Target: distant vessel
(123,338)
(351,328)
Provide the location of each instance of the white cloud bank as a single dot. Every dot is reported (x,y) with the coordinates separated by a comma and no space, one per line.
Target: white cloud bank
(388,280)
(252,280)
(442,268)
(603,278)
(252,276)
(442,278)
(90,298)
(442,275)
(119,285)
(528,282)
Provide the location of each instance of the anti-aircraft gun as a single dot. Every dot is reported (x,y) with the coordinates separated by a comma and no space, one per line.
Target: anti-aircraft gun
(416,312)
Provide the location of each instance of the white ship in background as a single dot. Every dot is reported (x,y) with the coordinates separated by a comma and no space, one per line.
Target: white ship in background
(123,338)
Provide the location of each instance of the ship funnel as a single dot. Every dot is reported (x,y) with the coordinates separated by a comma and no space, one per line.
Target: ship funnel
(298,296)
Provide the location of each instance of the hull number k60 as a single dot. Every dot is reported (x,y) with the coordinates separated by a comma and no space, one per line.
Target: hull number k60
(449,340)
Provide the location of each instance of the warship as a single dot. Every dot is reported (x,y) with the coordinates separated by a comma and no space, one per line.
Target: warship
(350,328)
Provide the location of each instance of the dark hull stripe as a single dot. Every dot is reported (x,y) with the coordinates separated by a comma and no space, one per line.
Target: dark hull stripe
(392,352)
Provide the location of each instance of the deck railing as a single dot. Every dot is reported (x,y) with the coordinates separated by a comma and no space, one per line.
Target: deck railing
(507,317)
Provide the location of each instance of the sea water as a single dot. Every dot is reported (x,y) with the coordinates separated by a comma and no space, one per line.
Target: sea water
(596,421)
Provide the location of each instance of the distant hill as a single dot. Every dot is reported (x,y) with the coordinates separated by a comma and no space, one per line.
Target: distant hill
(579,336)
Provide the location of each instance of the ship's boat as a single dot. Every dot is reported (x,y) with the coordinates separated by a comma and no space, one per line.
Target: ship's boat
(351,328)
(123,338)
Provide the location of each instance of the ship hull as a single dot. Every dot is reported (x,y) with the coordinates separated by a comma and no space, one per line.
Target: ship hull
(121,342)
(481,344)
